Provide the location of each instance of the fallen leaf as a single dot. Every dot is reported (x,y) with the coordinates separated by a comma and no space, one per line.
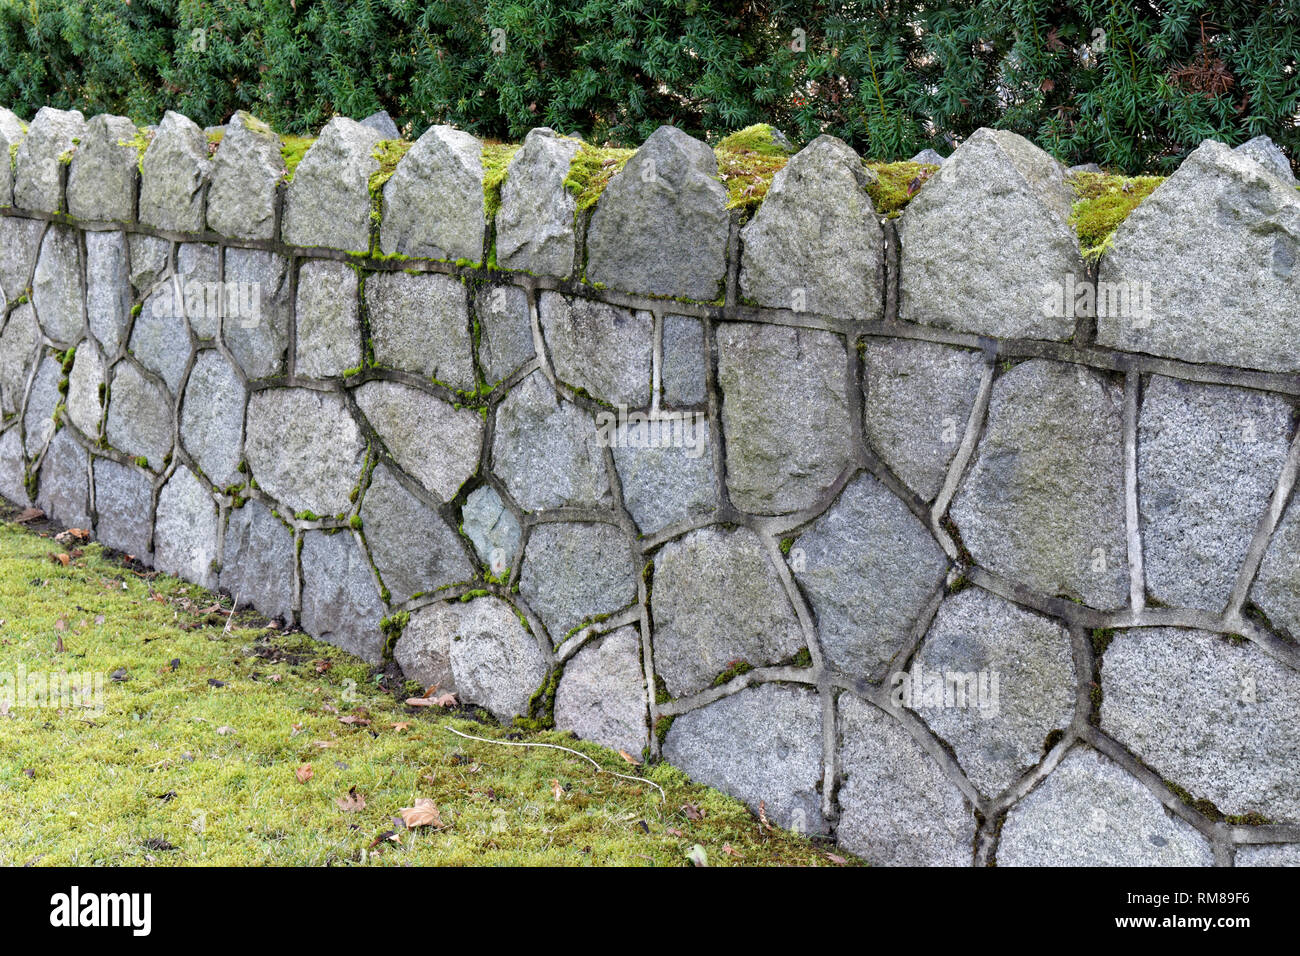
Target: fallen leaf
(629,758)
(557,790)
(225,731)
(353,719)
(730,850)
(423,814)
(58,646)
(62,559)
(692,812)
(402,725)
(675,832)
(304,773)
(29,514)
(697,855)
(326,744)
(838,860)
(762,816)
(61,624)
(213,682)
(352,802)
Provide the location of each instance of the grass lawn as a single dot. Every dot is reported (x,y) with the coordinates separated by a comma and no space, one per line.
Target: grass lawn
(225,741)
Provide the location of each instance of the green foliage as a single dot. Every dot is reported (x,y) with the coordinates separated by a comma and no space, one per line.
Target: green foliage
(1104,202)
(1133,86)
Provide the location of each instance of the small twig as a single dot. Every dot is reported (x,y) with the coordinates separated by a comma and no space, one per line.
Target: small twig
(231,616)
(568,750)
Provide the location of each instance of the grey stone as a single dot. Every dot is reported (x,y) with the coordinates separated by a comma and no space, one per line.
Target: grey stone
(185,530)
(1084,168)
(1222,720)
(12,131)
(506,333)
(383,124)
(420,323)
(257,561)
(717,599)
(535,224)
(815,244)
(576,572)
(424,649)
(660,228)
(927,156)
(304,449)
(869,567)
(108,289)
(919,396)
(212,417)
(1044,501)
(545,449)
(761,745)
(785,414)
(993,681)
(1275,854)
(328,202)
(20,241)
(42,400)
(897,805)
(492,527)
(329,329)
(124,508)
(987,239)
(173,174)
(1264,151)
(602,349)
(339,603)
(18,344)
(1208,263)
(413,549)
(64,492)
(160,337)
(257,333)
(1090,812)
(150,260)
(198,268)
(86,384)
(57,291)
(102,179)
(1208,459)
(436,444)
(245,173)
(1277,585)
(433,203)
(665,465)
(139,416)
(49,143)
(13,467)
(602,694)
(683,374)
(494,661)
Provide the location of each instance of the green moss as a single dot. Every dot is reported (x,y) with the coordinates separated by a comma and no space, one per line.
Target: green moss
(1104,201)
(292,150)
(747,162)
(389,153)
(307,516)
(591,170)
(786,545)
(142,461)
(897,184)
(496,159)
(355,522)
(735,670)
(140,142)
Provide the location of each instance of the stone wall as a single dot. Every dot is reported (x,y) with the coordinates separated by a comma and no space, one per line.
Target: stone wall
(921,533)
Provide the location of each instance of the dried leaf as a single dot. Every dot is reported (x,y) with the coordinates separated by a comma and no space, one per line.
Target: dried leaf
(423,814)
(29,514)
(730,850)
(402,725)
(352,802)
(629,758)
(557,790)
(692,812)
(304,773)
(62,559)
(837,860)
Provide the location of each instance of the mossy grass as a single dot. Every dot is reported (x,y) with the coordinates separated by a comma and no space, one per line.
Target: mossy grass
(591,170)
(897,184)
(1104,201)
(212,770)
(748,160)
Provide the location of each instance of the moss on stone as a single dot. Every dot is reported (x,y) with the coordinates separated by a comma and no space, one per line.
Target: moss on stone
(897,184)
(496,160)
(747,162)
(140,141)
(389,153)
(292,150)
(1104,201)
(591,170)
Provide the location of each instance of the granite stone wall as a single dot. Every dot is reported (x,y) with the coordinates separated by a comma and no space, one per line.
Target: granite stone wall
(920,533)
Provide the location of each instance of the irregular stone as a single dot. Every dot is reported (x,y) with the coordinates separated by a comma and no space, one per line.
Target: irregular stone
(124,508)
(328,202)
(18,345)
(86,385)
(717,599)
(1089,812)
(433,203)
(506,333)
(173,172)
(545,450)
(761,745)
(1204,269)
(436,444)
(102,177)
(413,549)
(576,572)
(304,449)
(257,561)
(57,291)
(424,649)
(993,681)
(1274,854)
(257,332)
(1276,590)
(49,143)
(869,567)
(64,492)
(185,530)
(785,414)
(492,527)
(139,416)
(927,156)
(536,218)
(13,467)
(245,173)
(1222,720)
(150,260)
(602,694)
(494,661)
(382,124)
(1084,168)
(683,374)
(1264,151)
(1208,459)
(660,228)
(20,241)
(108,289)
(420,323)
(919,396)
(160,338)
(987,241)
(38,419)
(329,329)
(665,465)
(212,417)
(815,244)
(12,131)
(1044,501)
(339,603)
(897,805)
(602,349)
(196,289)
